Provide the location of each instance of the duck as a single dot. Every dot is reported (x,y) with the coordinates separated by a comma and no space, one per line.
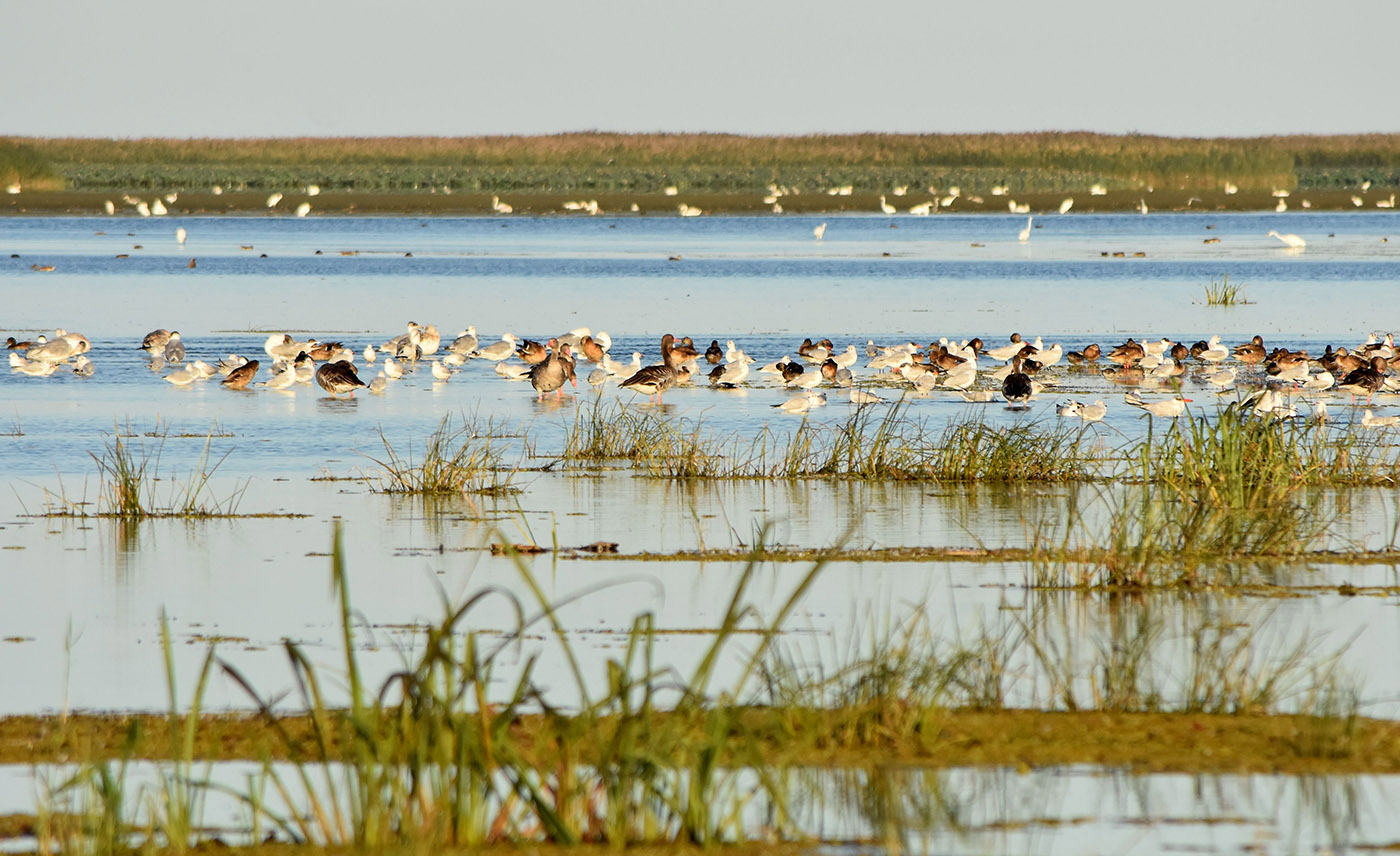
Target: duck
(240,376)
(336,378)
(591,349)
(1016,388)
(1251,352)
(678,353)
(1090,354)
(713,354)
(532,353)
(1127,353)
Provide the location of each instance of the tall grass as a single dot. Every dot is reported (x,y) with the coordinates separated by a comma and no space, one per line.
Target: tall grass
(722,162)
(1221,293)
(455,460)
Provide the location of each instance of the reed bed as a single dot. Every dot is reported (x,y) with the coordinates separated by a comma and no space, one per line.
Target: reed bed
(1222,293)
(873,444)
(716,162)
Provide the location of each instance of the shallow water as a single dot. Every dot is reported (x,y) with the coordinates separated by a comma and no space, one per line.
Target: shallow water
(81,616)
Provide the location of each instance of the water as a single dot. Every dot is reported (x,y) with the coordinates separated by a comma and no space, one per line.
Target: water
(84,597)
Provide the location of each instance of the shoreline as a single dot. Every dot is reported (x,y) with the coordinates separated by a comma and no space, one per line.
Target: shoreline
(441,204)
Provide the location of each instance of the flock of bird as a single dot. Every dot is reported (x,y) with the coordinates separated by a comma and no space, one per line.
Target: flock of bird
(1018,369)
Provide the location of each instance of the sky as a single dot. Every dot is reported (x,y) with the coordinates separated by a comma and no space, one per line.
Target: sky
(275,68)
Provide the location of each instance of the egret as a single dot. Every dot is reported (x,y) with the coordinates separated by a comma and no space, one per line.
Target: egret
(1066,205)
(1293,241)
(819,231)
(1026,232)
(885,206)
(180,235)
(303,209)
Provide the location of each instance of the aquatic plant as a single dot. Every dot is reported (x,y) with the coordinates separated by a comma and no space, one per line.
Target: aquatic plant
(455,460)
(1221,293)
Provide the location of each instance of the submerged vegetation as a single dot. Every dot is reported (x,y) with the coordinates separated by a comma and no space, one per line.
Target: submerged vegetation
(714,163)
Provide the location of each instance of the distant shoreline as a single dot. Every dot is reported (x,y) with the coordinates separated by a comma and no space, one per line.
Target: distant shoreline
(430,204)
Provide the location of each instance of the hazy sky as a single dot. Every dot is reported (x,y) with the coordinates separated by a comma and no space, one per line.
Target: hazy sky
(183,68)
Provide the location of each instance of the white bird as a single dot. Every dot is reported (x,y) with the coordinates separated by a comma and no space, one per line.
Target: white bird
(689,210)
(500,207)
(1323,380)
(1223,379)
(1142,206)
(369,353)
(83,367)
(1371,420)
(1066,205)
(441,372)
(1293,241)
(886,207)
(377,385)
(1025,234)
(185,376)
(861,397)
(392,369)
(109,206)
(180,235)
(1214,352)
(1319,412)
(977,396)
(143,209)
(499,350)
(1168,408)
(158,208)
(1231,189)
(846,358)
(1068,408)
(303,209)
(282,380)
(272,201)
(802,403)
(819,231)
(1093,412)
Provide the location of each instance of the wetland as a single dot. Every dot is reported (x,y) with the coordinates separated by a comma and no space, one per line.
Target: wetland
(452,614)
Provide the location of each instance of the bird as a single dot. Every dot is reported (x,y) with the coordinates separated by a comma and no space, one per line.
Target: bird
(1067,204)
(1025,234)
(1371,420)
(303,209)
(1168,408)
(1293,241)
(273,199)
(802,402)
(654,380)
(499,350)
(550,374)
(1367,379)
(440,371)
(83,367)
(1068,408)
(1017,386)
(174,350)
(861,397)
(819,231)
(885,206)
(180,235)
(1093,412)
(239,377)
(339,377)
(155,340)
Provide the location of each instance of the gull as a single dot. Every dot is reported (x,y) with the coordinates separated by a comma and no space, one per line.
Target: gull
(1223,378)
(454,360)
(441,372)
(1319,412)
(1168,408)
(977,396)
(499,350)
(1214,352)
(379,383)
(1068,408)
(369,353)
(184,377)
(802,403)
(281,380)
(1370,420)
(513,372)
(732,374)
(466,341)
(1093,412)
(861,397)
(1323,380)
(83,367)
(303,209)
(393,369)
(174,348)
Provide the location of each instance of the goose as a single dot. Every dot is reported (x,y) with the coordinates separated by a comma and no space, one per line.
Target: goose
(654,380)
(1367,379)
(1017,386)
(549,375)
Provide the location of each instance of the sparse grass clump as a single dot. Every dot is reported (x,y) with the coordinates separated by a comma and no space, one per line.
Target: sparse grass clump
(1222,292)
(455,460)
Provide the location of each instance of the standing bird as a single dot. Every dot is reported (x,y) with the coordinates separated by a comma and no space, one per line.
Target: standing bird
(713,354)
(180,235)
(549,374)
(240,377)
(819,231)
(1367,379)
(1017,385)
(654,380)
(339,377)
(1025,234)
(174,348)
(1293,241)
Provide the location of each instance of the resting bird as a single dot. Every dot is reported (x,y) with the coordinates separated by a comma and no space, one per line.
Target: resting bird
(339,377)
(240,377)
